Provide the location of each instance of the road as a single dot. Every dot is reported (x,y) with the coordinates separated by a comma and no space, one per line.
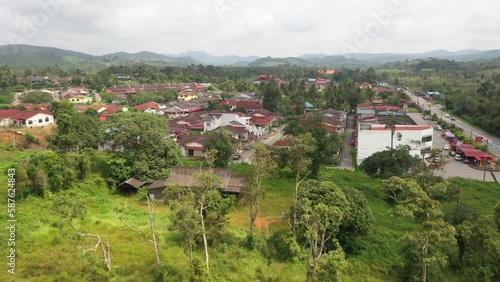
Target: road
(493,142)
(452,168)
(276,135)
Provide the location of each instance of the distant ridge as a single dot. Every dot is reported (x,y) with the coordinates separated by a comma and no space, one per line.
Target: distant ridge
(41,57)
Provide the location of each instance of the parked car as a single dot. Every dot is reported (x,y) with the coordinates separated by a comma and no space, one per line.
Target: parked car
(452,153)
(446,147)
(458,157)
(436,160)
(236,156)
(447,115)
(452,118)
(438,127)
(247,147)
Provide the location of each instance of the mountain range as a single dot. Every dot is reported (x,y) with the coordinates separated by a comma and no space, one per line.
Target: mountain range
(40,57)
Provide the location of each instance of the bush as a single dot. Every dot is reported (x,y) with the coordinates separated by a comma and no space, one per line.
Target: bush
(30,138)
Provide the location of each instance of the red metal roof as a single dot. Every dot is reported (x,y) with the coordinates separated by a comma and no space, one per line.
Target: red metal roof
(27,115)
(403,127)
(9,113)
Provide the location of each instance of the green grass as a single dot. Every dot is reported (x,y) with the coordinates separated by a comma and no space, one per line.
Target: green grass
(48,250)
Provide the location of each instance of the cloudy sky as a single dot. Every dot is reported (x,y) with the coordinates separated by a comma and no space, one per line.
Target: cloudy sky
(275,28)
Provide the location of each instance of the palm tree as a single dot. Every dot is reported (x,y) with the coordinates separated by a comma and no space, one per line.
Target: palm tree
(392,125)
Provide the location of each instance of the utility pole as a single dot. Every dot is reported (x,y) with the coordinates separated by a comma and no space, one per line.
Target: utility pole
(484,162)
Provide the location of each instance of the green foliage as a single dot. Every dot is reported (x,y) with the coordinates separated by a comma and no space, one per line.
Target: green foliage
(75,132)
(30,138)
(6,96)
(145,143)
(388,163)
(220,141)
(37,97)
(271,95)
(480,250)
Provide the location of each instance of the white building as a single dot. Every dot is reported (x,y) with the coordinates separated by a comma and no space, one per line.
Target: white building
(215,120)
(374,138)
(33,119)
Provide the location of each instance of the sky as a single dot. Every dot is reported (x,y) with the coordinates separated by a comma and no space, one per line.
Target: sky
(276,28)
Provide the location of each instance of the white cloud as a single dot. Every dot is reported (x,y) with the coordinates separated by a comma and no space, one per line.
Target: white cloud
(260,27)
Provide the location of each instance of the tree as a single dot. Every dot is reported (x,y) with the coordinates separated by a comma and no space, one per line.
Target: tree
(153,239)
(75,132)
(327,145)
(388,163)
(219,140)
(392,125)
(207,203)
(480,255)
(145,143)
(263,166)
(69,208)
(416,204)
(298,160)
(271,95)
(321,209)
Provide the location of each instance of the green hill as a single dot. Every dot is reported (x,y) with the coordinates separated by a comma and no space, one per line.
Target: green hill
(49,250)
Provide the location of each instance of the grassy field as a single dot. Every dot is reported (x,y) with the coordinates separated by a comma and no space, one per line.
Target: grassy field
(49,250)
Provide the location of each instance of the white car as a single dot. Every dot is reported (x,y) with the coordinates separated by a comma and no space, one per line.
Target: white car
(446,147)
(438,127)
(458,157)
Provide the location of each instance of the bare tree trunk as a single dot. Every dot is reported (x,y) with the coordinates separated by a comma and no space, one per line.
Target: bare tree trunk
(105,250)
(205,244)
(295,200)
(252,217)
(151,226)
(424,264)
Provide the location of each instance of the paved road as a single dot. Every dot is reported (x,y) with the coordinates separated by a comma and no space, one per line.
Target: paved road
(345,156)
(453,168)
(493,142)
(276,135)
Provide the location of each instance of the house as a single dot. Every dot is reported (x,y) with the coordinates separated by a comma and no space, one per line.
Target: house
(237,130)
(152,108)
(130,186)
(231,103)
(192,145)
(80,99)
(215,120)
(155,189)
(365,85)
(186,95)
(184,177)
(250,106)
(33,119)
(260,123)
(5,116)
